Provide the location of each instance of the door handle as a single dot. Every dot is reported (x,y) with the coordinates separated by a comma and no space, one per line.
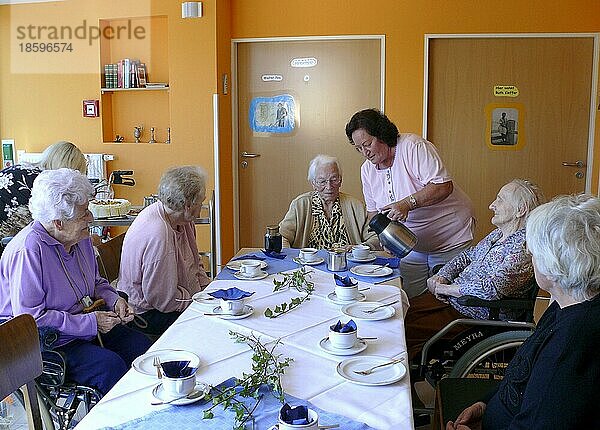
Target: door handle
(249,155)
(579,164)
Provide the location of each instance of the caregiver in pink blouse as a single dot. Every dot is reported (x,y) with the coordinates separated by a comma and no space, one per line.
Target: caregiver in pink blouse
(404,175)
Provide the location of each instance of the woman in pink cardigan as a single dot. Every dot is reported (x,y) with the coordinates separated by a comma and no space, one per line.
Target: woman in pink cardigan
(160,265)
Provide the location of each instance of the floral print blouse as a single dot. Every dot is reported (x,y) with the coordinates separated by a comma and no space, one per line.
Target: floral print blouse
(15,190)
(491,270)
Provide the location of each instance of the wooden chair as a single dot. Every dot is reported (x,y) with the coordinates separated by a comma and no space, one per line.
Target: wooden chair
(109,257)
(21,363)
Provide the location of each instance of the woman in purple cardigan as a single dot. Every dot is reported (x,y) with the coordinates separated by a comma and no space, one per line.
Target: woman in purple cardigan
(49,270)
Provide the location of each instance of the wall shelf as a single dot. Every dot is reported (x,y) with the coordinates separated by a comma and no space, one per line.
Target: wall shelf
(122,109)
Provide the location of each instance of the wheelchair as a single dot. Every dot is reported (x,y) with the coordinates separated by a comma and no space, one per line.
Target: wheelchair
(483,349)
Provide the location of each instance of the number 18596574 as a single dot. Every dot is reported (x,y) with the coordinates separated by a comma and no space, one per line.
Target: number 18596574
(46,47)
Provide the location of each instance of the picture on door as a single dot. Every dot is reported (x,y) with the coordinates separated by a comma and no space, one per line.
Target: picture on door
(272,114)
(505,126)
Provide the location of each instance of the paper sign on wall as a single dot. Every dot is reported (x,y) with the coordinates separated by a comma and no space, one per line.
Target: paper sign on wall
(304,62)
(272,78)
(506,91)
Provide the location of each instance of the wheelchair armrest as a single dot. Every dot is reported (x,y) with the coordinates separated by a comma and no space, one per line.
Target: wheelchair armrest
(517,304)
(53,369)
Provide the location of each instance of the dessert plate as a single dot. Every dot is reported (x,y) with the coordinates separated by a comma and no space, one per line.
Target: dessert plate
(144,364)
(373,270)
(382,376)
(206,301)
(359,346)
(357,311)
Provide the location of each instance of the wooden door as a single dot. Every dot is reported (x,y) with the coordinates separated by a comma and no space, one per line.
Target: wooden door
(320,100)
(553,77)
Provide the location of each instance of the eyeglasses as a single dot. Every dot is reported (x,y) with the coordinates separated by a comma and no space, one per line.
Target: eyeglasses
(365,145)
(334,182)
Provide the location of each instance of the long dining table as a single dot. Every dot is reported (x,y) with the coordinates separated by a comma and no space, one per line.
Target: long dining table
(314,376)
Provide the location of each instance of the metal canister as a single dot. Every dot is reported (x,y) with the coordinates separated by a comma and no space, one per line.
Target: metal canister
(148,200)
(336,260)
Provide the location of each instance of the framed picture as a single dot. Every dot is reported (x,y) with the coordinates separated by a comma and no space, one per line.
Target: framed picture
(91,108)
(505,123)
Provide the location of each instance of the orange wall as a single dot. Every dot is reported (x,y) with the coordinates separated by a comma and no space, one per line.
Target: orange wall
(38,108)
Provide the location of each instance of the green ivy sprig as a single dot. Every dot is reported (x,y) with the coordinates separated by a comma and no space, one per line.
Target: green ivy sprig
(267,368)
(298,280)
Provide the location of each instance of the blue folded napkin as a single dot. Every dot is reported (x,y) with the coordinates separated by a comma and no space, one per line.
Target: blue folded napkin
(249,257)
(177,369)
(233,293)
(273,254)
(344,281)
(296,415)
(349,327)
(392,262)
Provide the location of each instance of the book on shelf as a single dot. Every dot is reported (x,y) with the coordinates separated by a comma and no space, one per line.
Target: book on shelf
(141,74)
(156,85)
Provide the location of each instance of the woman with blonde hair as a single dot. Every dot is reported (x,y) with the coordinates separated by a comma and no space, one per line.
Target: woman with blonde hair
(16,182)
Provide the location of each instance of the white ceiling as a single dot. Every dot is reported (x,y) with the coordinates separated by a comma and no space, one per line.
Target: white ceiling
(25,1)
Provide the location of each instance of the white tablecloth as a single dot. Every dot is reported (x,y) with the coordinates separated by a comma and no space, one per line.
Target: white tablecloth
(312,375)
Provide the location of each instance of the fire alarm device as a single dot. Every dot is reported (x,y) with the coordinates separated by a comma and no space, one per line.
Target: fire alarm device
(91,108)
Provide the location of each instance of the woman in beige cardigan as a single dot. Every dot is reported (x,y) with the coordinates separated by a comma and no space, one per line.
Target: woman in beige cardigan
(324,218)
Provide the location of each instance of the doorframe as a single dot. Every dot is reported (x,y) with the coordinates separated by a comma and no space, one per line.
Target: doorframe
(593,90)
(234,103)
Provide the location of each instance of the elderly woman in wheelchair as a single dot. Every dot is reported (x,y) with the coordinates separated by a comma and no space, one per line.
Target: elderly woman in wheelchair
(555,375)
(497,267)
(49,270)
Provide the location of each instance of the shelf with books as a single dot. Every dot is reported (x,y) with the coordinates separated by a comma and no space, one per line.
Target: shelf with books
(134,79)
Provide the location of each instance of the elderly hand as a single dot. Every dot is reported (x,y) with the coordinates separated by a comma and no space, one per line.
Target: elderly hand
(469,419)
(124,310)
(434,280)
(106,321)
(397,211)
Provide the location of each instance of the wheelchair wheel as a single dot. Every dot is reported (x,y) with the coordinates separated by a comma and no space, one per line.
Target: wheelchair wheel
(489,358)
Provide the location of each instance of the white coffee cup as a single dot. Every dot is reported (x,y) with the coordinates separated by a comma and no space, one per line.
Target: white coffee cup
(342,340)
(178,387)
(250,268)
(308,254)
(360,252)
(313,422)
(232,307)
(346,293)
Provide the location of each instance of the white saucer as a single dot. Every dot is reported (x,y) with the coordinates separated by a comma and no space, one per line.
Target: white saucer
(247,312)
(159,394)
(236,264)
(359,346)
(371,257)
(356,311)
(368,270)
(262,275)
(382,376)
(144,364)
(299,260)
(334,298)
(205,300)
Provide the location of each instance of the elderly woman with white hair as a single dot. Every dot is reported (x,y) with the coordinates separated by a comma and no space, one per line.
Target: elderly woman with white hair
(49,270)
(160,266)
(325,217)
(552,382)
(498,266)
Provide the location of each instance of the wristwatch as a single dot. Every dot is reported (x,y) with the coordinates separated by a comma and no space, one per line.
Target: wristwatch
(412,201)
